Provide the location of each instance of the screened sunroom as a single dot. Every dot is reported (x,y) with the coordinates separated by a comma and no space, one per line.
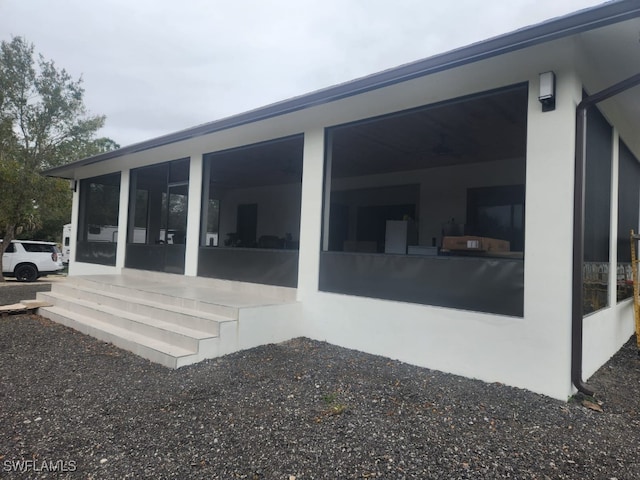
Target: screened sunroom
(401,187)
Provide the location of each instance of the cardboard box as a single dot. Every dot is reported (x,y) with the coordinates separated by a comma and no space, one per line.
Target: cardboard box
(475,244)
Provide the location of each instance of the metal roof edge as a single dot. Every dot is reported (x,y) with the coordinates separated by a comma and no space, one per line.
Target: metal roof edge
(608,13)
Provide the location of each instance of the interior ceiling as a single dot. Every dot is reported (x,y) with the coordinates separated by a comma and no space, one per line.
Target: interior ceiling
(157,176)
(485,127)
(278,162)
(482,128)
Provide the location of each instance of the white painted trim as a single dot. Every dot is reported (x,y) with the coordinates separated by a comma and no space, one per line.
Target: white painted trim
(75,209)
(193,216)
(311,212)
(123,219)
(327,192)
(613,232)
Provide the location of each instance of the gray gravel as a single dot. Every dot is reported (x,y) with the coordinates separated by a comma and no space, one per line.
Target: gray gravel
(301,409)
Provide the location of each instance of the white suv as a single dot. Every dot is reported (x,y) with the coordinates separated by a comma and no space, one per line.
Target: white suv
(29,260)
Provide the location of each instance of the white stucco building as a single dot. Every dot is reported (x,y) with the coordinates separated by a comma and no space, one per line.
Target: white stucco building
(344,198)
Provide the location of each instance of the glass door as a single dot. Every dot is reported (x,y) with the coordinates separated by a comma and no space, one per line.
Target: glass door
(174,235)
(158,217)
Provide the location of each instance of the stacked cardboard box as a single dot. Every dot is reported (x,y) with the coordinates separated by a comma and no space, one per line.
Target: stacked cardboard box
(475,244)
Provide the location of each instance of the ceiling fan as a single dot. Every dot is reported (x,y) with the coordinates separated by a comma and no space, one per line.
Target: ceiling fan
(443,148)
(291,167)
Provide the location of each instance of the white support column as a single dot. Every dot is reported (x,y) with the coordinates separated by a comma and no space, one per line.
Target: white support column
(193,217)
(549,238)
(311,212)
(613,235)
(327,195)
(123,219)
(75,208)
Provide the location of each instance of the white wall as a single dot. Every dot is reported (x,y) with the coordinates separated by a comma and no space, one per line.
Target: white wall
(278,210)
(531,352)
(80,268)
(605,332)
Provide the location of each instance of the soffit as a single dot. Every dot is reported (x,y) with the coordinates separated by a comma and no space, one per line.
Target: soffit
(612,54)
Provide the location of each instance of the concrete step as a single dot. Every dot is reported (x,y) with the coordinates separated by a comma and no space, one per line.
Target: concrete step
(186,317)
(157,351)
(154,328)
(172,319)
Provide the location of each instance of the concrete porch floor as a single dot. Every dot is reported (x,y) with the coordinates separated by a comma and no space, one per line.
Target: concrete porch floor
(195,289)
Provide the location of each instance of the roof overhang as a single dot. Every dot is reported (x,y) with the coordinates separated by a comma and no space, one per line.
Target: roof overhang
(576,23)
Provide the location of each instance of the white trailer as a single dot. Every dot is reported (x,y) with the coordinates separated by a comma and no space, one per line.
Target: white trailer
(66,243)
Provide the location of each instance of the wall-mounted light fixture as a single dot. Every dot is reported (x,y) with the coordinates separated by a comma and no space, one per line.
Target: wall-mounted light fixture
(73,185)
(547,94)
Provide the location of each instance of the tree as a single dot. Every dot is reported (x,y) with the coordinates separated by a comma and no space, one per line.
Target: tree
(43,124)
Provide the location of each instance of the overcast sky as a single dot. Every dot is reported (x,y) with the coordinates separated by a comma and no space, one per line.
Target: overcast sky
(157,66)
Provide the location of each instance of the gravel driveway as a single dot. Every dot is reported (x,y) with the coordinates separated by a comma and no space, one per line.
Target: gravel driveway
(297,410)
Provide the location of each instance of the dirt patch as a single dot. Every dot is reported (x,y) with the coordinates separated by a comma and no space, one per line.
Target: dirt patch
(12,291)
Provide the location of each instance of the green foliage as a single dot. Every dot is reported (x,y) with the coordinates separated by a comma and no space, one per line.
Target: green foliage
(334,406)
(102,201)
(57,213)
(43,124)
(330,398)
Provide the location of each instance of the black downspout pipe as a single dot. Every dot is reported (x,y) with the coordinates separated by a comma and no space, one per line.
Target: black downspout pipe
(578,225)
